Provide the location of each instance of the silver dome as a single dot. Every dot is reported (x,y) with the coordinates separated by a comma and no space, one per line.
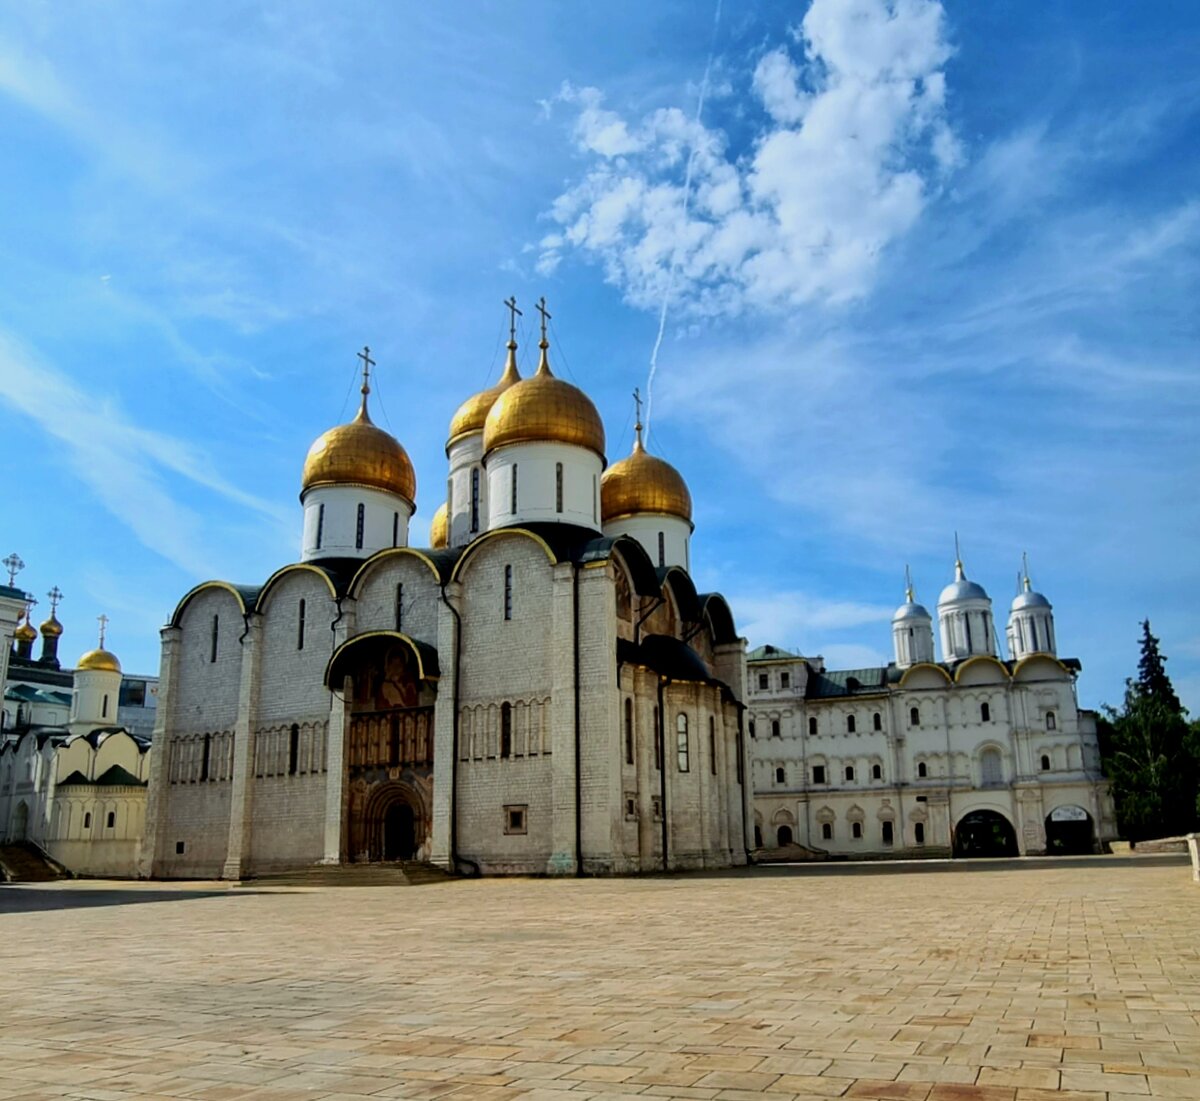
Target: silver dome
(962,589)
(1029,599)
(911,611)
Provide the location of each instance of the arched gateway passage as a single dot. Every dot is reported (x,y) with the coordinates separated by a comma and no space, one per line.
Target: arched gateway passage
(1070,831)
(389,744)
(985,833)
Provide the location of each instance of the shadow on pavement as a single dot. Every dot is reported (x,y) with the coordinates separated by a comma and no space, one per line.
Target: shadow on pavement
(918,867)
(25,899)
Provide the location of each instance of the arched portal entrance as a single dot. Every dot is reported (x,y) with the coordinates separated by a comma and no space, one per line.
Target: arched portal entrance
(985,833)
(389,744)
(1070,831)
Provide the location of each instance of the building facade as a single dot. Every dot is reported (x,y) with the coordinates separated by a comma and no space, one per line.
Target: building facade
(974,754)
(542,690)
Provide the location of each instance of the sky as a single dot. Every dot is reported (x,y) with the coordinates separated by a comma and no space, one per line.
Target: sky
(898,269)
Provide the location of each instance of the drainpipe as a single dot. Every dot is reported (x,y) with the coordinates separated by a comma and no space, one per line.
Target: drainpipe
(746,779)
(454,858)
(578,754)
(661,735)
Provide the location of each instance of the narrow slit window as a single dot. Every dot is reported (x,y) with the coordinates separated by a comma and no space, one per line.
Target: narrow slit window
(751,728)
(682,752)
(658,746)
(774,728)
(508,592)
(849,773)
(1051,721)
(922,769)
(876,721)
(359,525)
(856,830)
(826,831)
(320,523)
(595,499)
(914,716)
(395,529)
(293,749)
(876,772)
(206,757)
(300,610)
(712,745)
(216,630)
(888,833)
(505,730)
(111,820)
(628,731)
(781,776)
(812,725)
(87,821)
(104,707)
(849,724)
(474,499)
(1045,762)
(818,774)
(558,487)
(985,712)
(512,491)
(400,606)
(919,833)
(662,549)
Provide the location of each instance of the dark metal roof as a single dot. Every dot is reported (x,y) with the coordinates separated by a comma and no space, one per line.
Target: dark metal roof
(846,682)
(667,656)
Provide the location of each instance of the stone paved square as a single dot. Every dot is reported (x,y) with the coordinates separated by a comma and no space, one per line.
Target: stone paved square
(1035,981)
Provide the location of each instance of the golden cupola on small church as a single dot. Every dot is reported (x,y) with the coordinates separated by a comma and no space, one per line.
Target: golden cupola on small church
(543,451)
(358,489)
(645,497)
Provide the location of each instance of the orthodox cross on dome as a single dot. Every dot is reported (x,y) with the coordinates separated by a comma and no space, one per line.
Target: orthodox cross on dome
(368,363)
(909,595)
(541,308)
(102,619)
(14,565)
(513,314)
(637,425)
(30,604)
(958,566)
(55,596)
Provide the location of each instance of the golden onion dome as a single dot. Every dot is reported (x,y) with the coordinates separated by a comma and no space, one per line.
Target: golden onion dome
(544,408)
(642,482)
(439,528)
(52,628)
(99,661)
(25,632)
(472,414)
(360,454)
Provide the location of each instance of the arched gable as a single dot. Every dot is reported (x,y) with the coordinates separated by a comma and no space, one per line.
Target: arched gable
(244,596)
(719,616)
(674,579)
(263,601)
(346,656)
(121,749)
(380,558)
(1040,667)
(981,669)
(925,675)
(488,538)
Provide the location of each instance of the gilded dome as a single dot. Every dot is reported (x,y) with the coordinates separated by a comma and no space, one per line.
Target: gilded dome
(642,482)
(543,408)
(439,528)
(360,454)
(472,414)
(52,628)
(25,632)
(100,661)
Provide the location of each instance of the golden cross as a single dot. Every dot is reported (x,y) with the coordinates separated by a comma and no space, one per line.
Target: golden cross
(368,363)
(513,314)
(541,308)
(14,565)
(102,619)
(55,596)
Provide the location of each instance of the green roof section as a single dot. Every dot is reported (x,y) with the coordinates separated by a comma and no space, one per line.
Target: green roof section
(847,682)
(771,653)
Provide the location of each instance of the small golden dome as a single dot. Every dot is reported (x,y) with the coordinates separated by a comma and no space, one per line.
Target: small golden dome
(25,632)
(642,482)
(360,454)
(439,529)
(544,408)
(100,661)
(472,414)
(52,628)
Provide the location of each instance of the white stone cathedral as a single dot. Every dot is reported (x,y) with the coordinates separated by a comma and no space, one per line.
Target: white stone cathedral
(973,755)
(540,691)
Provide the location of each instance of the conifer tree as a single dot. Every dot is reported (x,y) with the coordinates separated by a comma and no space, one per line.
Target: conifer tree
(1151,757)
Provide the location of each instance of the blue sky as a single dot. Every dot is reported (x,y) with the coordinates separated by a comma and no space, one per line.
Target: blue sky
(925,269)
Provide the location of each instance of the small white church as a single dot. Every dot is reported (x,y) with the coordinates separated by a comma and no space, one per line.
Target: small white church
(541,690)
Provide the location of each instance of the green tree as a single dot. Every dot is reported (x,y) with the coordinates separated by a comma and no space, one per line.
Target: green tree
(1151,755)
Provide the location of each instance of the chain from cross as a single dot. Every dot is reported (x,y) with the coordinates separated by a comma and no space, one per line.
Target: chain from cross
(541,308)
(102,619)
(368,363)
(513,314)
(55,596)
(14,565)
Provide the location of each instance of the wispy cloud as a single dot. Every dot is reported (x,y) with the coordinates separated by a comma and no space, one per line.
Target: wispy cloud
(854,137)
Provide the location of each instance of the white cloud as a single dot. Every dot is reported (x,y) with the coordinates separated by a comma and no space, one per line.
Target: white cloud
(793,618)
(854,140)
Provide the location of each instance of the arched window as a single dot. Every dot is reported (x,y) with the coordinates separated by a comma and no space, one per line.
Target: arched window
(1045,762)
(922,769)
(991,767)
(320,523)
(888,833)
(399,606)
(985,712)
(513,491)
(474,499)
(774,728)
(849,773)
(558,487)
(751,728)
(758,837)
(658,741)
(300,610)
(87,821)
(876,772)
(628,730)
(712,745)
(849,724)
(206,757)
(781,776)
(919,833)
(112,819)
(1051,721)
(914,716)
(784,833)
(812,725)
(856,830)
(826,831)
(681,742)
(216,628)
(358,527)
(505,730)
(876,721)
(508,592)
(293,749)
(662,549)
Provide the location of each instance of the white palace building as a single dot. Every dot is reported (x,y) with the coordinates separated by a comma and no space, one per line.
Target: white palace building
(970,755)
